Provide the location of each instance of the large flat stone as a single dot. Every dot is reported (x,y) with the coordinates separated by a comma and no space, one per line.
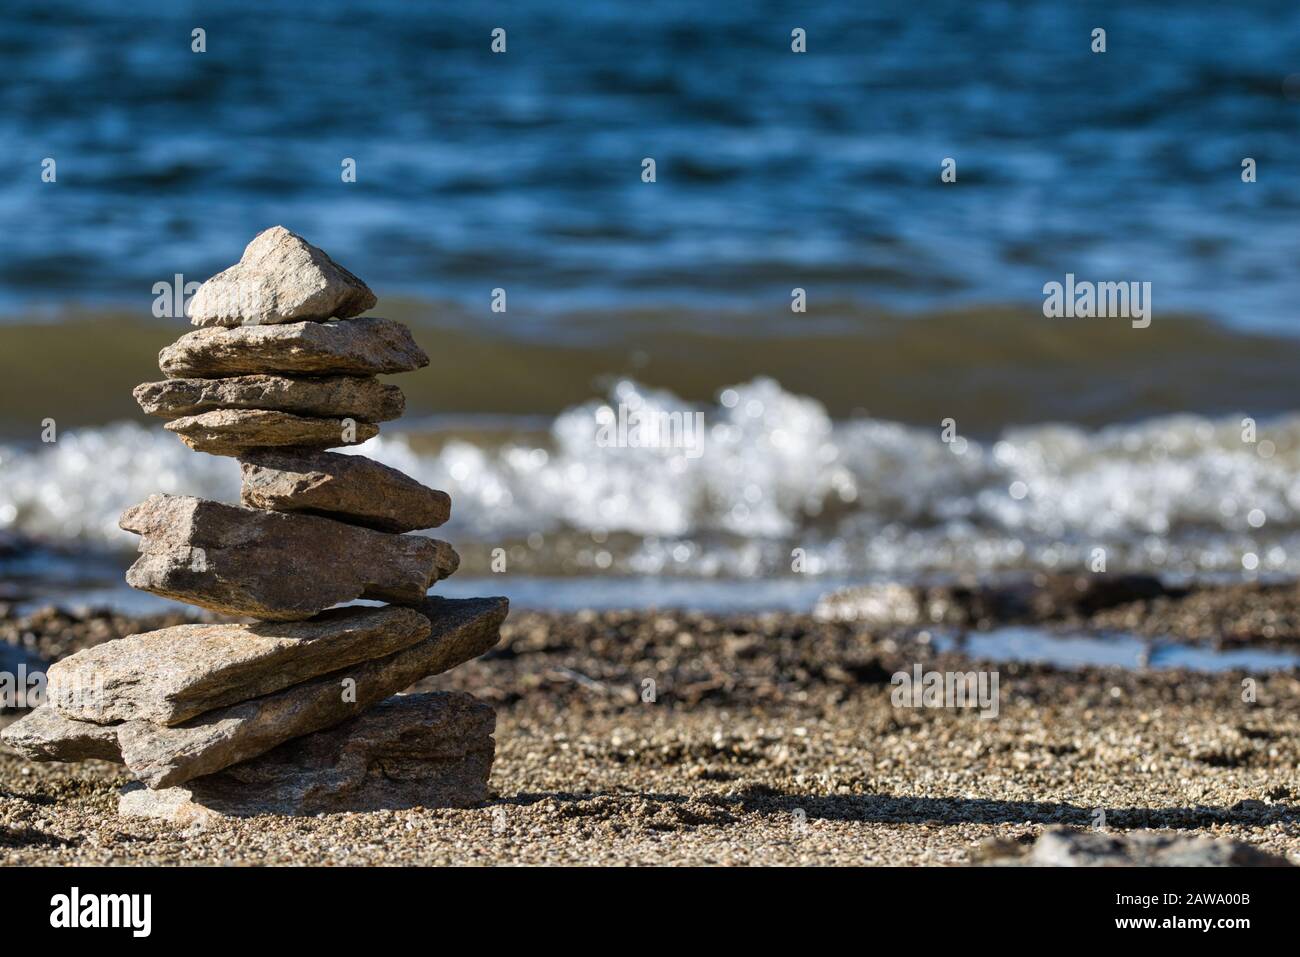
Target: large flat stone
(46,734)
(280,278)
(236,431)
(165,756)
(354,397)
(359,347)
(423,750)
(351,488)
(274,565)
(173,674)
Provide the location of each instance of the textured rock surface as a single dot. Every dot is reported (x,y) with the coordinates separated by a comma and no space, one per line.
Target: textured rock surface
(43,734)
(280,278)
(360,347)
(274,565)
(364,398)
(1070,847)
(424,750)
(173,674)
(235,431)
(165,756)
(351,488)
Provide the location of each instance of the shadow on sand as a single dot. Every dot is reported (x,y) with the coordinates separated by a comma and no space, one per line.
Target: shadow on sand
(884,809)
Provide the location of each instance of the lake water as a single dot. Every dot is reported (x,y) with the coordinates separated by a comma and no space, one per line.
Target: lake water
(774,170)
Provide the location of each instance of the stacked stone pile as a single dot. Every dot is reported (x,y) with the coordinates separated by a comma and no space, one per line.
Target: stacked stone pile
(297,711)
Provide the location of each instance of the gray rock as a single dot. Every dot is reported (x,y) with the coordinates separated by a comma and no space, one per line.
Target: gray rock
(165,756)
(280,278)
(173,674)
(351,488)
(423,750)
(1072,847)
(236,431)
(274,565)
(44,734)
(363,398)
(359,347)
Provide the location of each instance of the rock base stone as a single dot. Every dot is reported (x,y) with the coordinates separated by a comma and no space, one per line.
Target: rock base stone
(423,750)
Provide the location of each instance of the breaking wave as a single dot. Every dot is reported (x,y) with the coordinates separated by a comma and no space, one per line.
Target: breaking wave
(776,483)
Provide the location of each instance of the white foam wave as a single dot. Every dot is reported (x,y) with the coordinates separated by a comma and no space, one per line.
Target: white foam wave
(774,473)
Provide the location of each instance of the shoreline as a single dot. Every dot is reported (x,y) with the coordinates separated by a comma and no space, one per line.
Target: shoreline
(771,738)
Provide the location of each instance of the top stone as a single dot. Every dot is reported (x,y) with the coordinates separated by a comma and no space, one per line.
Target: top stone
(280,278)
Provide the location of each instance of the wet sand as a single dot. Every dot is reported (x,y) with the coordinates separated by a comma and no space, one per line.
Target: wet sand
(770,739)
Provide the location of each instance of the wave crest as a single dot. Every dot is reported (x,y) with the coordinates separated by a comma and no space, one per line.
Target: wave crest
(774,473)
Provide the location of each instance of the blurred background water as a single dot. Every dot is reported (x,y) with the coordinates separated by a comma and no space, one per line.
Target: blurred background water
(775,170)
(522,170)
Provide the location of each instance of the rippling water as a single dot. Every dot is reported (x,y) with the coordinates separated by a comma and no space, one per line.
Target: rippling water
(778,489)
(776,170)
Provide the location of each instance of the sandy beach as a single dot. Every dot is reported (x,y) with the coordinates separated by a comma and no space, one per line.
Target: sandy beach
(771,739)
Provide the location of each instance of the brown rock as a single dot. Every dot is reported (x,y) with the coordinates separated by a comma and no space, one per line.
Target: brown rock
(165,756)
(280,278)
(274,565)
(351,488)
(173,674)
(44,734)
(236,431)
(351,397)
(425,750)
(359,347)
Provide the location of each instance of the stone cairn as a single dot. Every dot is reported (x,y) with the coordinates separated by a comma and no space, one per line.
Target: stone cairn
(296,711)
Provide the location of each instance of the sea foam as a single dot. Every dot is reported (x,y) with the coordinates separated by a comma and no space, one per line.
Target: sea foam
(778,484)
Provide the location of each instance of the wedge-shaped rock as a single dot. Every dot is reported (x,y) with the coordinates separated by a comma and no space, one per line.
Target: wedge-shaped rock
(363,398)
(280,278)
(351,488)
(173,674)
(273,565)
(46,734)
(165,756)
(236,431)
(422,750)
(358,347)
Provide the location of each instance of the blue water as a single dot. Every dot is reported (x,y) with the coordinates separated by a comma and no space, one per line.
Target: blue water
(1017,643)
(775,170)
(539,593)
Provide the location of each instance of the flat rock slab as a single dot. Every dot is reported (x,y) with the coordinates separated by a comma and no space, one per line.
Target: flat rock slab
(1072,847)
(359,347)
(236,431)
(352,397)
(165,756)
(351,488)
(45,734)
(280,278)
(173,674)
(424,750)
(274,565)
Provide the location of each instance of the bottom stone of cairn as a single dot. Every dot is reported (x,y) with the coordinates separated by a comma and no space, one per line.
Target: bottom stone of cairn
(422,750)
